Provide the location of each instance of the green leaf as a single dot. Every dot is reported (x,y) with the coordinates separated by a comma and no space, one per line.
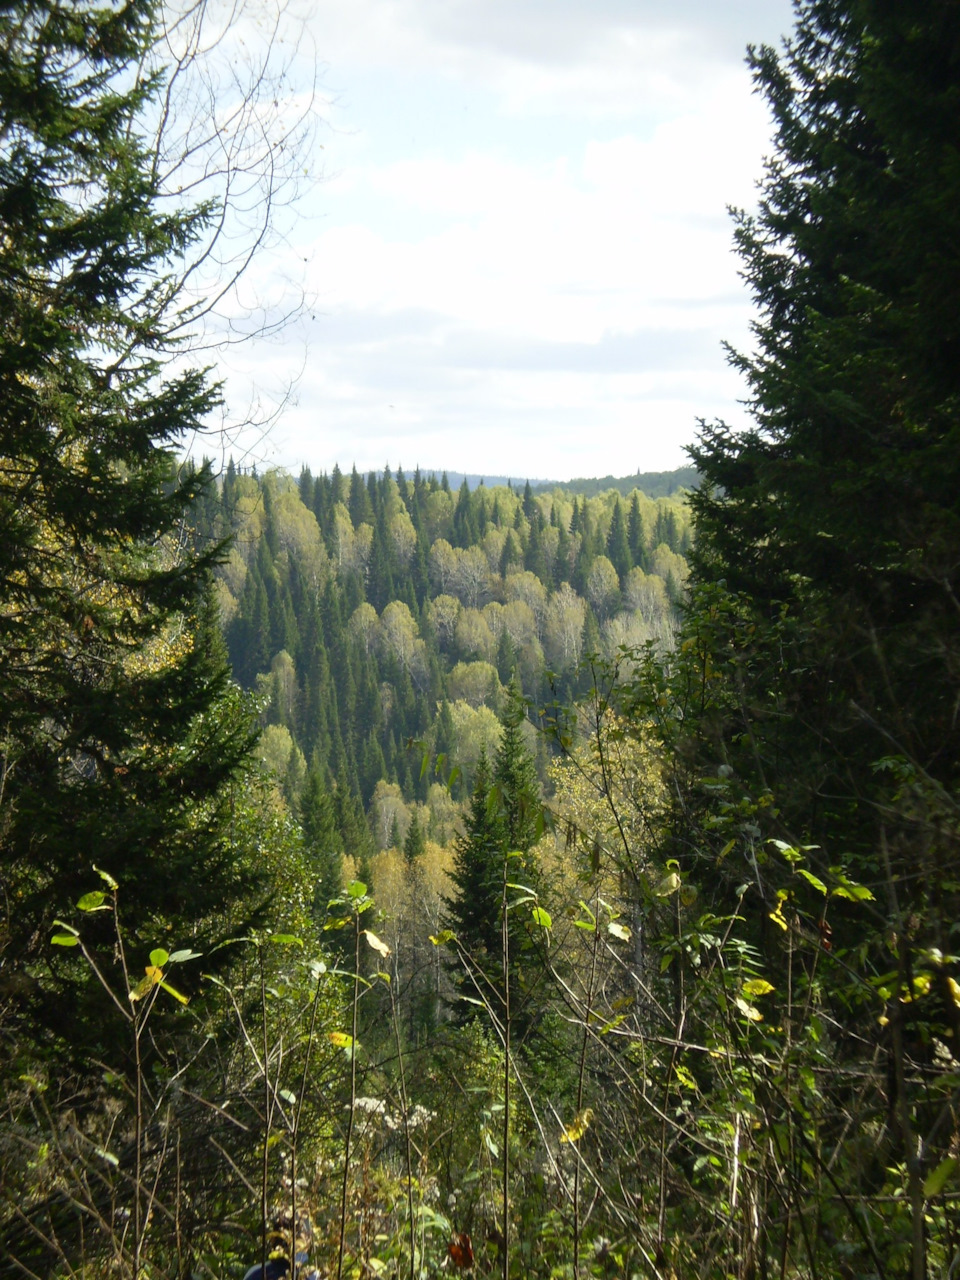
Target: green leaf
(107,878)
(159,957)
(542,918)
(93,901)
(669,884)
(356,889)
(287,1096)
(941,1175)
(178,957)
(172,991)
(847,888)
(619,931)
(813,880)
(285,939)
(611,1024)
(442,938)
(65,940)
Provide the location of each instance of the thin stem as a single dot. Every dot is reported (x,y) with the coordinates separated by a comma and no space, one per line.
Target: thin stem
(265,1168)
(353,1095)
(505,943)
(406,1130)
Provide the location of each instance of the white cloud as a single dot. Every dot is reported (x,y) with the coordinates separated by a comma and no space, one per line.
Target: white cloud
(546,296)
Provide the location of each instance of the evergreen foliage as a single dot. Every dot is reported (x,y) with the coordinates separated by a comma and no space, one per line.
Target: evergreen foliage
(817,673)
(835,519)
(382,619)
(120,737)
(503,824)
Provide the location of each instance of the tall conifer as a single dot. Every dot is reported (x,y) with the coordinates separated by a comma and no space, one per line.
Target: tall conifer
(119,737)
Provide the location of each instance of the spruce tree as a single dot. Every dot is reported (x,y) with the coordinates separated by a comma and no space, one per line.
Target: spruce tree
(503,822)
(836,514)
(414,843)
(827,575)
(618,544)
(120,736)
(477,875)
(515,777)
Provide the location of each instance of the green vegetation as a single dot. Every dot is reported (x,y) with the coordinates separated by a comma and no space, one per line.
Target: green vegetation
(655,484)
(373,614)
(528,902)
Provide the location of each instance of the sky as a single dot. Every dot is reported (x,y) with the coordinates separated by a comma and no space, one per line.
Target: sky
(518,258)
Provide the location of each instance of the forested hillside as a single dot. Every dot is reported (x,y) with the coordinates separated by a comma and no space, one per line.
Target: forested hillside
(379,618)
(406,883)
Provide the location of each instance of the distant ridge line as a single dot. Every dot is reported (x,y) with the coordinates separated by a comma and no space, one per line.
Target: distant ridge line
(655,484)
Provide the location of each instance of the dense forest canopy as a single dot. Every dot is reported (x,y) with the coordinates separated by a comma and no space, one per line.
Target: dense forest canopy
(372,612)
(550,883)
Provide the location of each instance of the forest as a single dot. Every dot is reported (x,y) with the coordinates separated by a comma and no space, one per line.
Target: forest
(406,881)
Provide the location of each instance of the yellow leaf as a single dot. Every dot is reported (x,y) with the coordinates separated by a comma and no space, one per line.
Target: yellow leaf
(341,1039)
(757,987)
(381,948)
(748,1011)
(581,1123)
(172,991)
(153,979)
(777,916)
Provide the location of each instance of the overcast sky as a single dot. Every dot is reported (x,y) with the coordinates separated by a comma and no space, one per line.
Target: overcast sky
(519,260)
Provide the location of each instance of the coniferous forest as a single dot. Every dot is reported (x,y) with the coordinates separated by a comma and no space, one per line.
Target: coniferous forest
(409,881)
